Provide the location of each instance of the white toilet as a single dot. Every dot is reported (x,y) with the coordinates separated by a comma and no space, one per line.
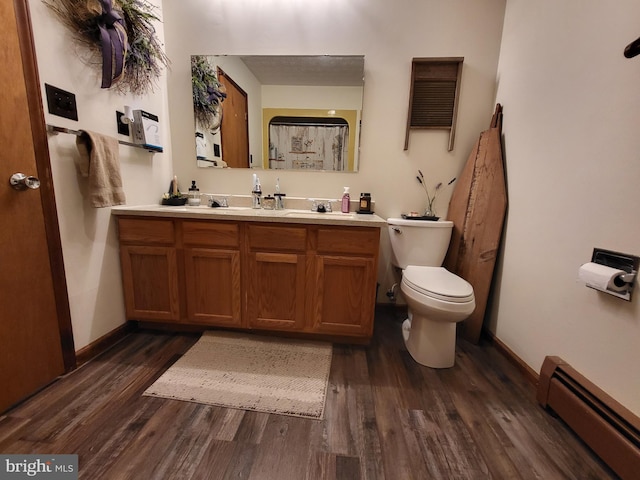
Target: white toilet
(436,298)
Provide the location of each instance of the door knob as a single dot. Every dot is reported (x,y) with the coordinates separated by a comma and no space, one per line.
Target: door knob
(20,181)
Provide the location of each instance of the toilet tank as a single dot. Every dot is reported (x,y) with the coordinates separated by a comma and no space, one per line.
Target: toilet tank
(419,242)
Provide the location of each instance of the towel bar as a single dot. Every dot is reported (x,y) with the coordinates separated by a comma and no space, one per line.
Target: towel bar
(54,130)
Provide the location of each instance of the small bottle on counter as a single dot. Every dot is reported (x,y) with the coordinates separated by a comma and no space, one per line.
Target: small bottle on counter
(365,203)
(346,201)
(269,202)
(194,195)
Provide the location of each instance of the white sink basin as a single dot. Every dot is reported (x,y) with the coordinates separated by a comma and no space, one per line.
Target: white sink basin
(231,209)
(204,208)
(309,214)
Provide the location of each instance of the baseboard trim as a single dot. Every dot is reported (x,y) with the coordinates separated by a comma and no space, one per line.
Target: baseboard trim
(529,374)
(103,343)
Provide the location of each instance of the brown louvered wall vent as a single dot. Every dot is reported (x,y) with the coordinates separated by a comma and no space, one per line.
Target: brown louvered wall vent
(433,99)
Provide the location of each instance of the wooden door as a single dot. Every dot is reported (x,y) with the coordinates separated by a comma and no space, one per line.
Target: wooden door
(36,342)
(234,130)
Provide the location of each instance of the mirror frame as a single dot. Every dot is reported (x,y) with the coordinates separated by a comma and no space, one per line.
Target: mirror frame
(312,108)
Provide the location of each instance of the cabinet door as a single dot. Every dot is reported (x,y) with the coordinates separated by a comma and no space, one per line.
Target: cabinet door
(213,286)
(344,295)
(150,278)
(276,294)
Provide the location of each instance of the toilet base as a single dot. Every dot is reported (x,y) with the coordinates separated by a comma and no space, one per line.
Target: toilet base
(430,343)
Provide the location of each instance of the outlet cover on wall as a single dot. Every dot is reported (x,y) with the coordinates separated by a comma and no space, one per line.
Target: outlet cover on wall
(61,102)
(123,128)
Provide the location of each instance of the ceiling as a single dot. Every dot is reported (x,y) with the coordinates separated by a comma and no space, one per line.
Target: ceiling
(316,70)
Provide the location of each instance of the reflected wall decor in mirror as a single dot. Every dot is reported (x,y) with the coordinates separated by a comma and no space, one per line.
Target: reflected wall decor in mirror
(278,112)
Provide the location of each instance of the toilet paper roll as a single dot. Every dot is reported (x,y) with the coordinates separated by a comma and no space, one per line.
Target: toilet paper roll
(601,277)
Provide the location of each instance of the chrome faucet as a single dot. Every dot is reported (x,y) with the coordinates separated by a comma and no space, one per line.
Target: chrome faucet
(217,202)
(320,206)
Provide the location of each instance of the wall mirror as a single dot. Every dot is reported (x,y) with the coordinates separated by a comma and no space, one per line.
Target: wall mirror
(278,112)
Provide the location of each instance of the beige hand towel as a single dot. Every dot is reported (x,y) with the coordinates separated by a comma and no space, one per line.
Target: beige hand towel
(100,162)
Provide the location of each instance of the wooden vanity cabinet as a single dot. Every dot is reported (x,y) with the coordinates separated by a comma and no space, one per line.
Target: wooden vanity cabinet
(305,278)
(276,276)
(344,291)
(149,269)
(211,252)
(315,279)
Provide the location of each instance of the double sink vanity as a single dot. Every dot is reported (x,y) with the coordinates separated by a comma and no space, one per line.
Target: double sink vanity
(290,270)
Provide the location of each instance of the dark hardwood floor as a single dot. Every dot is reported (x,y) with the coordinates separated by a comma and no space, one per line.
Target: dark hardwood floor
(386,418)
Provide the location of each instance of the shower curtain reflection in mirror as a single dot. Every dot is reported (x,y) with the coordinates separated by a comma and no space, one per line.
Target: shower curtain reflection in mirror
(308,144)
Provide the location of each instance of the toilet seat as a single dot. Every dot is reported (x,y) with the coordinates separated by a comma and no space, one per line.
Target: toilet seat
(438,283)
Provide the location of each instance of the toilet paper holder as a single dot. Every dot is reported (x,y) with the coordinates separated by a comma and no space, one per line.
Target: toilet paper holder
(619,261)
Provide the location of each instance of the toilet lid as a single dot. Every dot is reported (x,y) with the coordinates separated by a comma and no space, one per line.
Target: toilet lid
(438,282)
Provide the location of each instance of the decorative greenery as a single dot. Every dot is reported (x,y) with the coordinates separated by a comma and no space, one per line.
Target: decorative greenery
(431,199)
(208,93)
(144,59)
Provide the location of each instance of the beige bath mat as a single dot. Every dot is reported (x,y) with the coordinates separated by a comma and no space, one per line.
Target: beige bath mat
(250,372)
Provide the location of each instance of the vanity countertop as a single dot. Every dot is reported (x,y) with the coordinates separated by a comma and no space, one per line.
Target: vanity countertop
(253,215)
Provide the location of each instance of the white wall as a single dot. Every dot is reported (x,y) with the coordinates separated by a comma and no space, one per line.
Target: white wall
(89,241)
(389,34)
(571,117)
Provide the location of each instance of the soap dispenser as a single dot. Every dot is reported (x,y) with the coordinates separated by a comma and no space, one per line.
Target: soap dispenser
(346,201)
(194,195)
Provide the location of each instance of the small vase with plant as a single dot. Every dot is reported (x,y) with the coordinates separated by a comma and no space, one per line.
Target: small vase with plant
(430,211)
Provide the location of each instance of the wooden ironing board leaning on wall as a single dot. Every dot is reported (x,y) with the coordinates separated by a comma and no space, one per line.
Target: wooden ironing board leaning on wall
(477,208)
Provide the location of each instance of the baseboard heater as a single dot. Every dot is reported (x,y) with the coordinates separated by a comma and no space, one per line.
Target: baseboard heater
(608,428)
